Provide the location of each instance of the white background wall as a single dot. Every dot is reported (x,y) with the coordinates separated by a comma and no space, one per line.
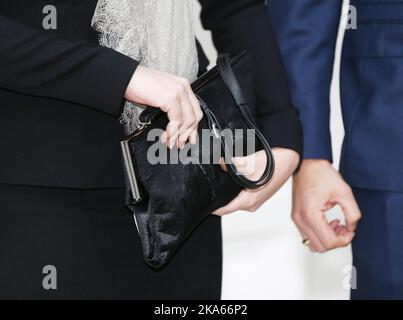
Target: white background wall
(263,254)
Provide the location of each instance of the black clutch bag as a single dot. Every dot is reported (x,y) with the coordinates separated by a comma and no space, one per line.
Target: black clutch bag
(170,200)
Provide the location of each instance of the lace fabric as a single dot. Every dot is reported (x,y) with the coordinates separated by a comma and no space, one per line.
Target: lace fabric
(158,33)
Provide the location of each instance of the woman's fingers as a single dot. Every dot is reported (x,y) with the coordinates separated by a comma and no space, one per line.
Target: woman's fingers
(174,96)
(192,115)
(198,114)
(175,116)
(181,116)
(188,121)
(172,131)
(184,117)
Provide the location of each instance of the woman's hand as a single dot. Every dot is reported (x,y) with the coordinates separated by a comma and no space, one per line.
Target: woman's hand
(251,200)
(174,96)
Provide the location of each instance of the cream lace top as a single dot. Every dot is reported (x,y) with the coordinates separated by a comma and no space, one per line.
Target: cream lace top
(157,33)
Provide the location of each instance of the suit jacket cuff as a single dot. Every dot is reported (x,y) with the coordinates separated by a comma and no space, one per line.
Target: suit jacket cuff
(114,72)
(315,119)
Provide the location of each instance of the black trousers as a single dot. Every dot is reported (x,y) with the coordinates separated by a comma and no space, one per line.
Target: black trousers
(90,239)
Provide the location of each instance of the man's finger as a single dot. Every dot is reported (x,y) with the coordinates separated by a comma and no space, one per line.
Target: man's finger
(323,230)
(351,211)
(341,230)
(307,234)
(335,224)
(344,238)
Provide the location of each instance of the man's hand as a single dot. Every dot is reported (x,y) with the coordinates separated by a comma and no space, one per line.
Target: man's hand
(318,187)
(250,200)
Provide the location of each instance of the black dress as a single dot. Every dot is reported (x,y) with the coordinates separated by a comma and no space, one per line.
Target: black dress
(61,183)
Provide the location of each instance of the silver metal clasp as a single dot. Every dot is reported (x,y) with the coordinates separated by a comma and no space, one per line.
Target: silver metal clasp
(142,125)
(216,131)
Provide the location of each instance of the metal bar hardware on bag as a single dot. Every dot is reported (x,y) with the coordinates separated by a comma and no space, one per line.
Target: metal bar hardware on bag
(128,162)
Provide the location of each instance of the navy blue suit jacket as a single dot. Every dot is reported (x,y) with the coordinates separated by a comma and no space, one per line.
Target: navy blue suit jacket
(371,83)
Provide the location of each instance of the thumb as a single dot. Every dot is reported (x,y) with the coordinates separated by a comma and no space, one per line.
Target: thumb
(236,204)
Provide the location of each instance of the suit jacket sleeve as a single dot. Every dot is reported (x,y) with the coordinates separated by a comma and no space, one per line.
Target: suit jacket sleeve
(307,33)
(245,25)
(41,63)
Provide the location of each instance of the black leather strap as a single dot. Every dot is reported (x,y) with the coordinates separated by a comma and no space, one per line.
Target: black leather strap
(225,69)
(230,80)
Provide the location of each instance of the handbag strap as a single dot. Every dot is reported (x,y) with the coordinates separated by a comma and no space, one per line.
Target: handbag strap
(231,82)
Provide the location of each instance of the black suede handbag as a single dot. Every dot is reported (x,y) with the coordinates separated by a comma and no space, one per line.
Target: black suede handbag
(170,200)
